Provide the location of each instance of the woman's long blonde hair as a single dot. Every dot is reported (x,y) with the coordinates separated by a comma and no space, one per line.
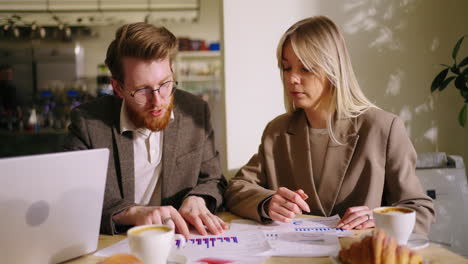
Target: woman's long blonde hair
(318,43)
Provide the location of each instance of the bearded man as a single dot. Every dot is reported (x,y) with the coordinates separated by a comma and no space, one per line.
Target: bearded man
(163,166)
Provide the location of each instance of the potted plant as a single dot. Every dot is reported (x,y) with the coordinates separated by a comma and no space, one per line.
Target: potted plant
(458,72)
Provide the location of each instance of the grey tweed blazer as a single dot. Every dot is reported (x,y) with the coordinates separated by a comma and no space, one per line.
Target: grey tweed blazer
(190,162)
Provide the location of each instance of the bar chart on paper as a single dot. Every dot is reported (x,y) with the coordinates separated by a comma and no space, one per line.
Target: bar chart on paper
(211,242)
(230,245)
(227,244)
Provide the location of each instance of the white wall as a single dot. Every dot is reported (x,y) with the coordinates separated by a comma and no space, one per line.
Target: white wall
(395,47)
(253,90)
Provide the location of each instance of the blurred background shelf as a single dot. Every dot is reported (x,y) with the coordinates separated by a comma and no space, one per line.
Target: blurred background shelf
(199,54)
(29,143)
(199,78)
(199,72)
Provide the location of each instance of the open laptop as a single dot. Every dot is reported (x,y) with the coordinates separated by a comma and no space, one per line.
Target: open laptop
(51,205)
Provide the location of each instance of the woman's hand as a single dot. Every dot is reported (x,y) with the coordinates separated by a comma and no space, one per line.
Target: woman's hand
(358,217)
(286,204)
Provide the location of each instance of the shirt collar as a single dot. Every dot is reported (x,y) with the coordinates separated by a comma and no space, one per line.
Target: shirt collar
(127,125)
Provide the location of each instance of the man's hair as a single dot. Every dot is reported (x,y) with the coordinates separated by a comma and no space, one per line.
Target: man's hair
(139,40)
(319,44)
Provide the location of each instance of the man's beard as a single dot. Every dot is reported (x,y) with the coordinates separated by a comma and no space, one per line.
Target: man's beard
(150,122)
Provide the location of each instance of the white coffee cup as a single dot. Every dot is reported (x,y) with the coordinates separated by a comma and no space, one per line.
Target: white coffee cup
(397,222)
(153,243)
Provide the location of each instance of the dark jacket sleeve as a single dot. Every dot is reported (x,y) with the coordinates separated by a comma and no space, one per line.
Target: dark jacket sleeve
(83,134)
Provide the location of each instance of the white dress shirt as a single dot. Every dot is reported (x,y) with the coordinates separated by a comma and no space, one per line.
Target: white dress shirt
(147,149)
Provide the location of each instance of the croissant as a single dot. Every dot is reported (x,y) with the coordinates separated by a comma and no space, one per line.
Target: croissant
(379,248)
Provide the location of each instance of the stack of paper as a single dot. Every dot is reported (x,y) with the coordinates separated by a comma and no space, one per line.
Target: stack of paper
(307,237)
(250,242)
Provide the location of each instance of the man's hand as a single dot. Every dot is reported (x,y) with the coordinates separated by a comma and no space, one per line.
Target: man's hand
(194,211)
(358,217)
(286,204)
(147,215)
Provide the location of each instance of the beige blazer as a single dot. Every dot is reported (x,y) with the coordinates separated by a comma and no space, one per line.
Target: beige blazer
(375,166)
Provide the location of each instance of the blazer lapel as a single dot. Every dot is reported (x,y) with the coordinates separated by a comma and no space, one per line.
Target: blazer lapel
(169,151)
(300,159)
(336,162)
(124,145)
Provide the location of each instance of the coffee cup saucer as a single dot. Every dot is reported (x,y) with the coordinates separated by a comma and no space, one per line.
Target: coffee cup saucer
(417,241)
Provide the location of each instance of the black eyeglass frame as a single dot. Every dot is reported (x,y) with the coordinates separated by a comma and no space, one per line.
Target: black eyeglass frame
(132,94)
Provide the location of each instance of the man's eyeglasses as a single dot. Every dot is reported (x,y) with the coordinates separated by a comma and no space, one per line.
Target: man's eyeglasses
(143,95)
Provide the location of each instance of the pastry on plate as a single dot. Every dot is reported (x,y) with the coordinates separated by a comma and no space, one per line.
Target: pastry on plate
(378,248)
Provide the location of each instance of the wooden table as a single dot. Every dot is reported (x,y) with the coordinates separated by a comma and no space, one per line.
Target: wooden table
(434,253)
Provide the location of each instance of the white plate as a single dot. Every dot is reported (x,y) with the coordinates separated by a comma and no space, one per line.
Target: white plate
(417,241)
(335,260)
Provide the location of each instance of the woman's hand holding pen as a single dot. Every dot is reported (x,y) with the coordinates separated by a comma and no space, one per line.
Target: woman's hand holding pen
(286,204)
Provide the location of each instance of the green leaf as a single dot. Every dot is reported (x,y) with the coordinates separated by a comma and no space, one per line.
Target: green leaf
(462,115)
(460,81)
(455,69)
(463,62)
(439,79)
(444,84)
(457,47)
(464,94)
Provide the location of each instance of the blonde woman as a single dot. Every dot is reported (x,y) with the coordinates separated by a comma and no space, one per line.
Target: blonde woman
(333,152)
